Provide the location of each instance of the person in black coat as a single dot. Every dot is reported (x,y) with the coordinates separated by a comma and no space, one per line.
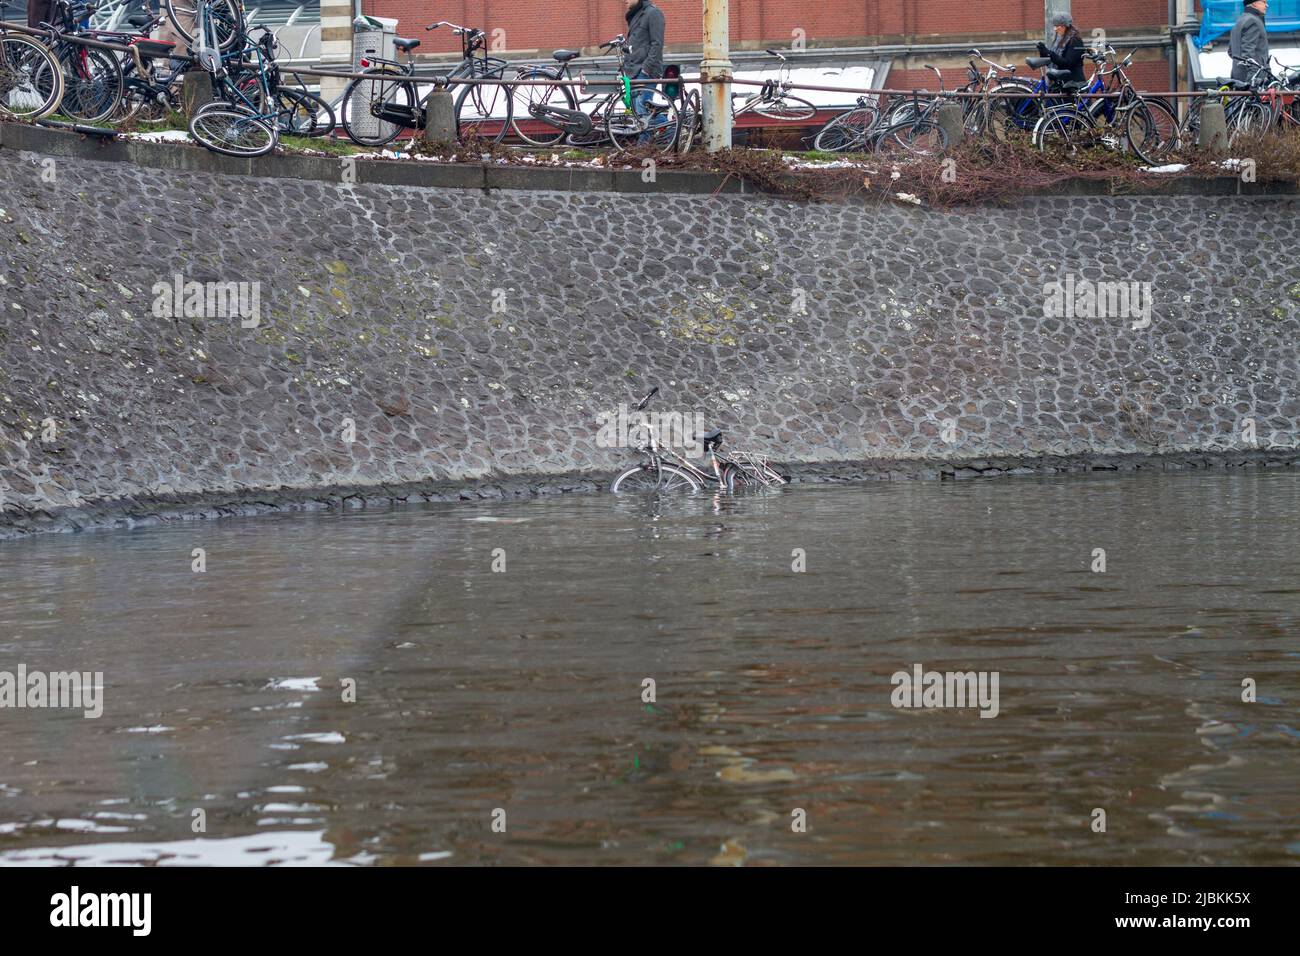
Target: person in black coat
(1067,49)
(1249,38)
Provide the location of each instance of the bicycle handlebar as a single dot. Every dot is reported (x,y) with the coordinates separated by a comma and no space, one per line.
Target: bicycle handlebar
(458,30)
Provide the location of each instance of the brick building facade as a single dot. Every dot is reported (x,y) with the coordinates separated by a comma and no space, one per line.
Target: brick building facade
(544,24)
(526,27)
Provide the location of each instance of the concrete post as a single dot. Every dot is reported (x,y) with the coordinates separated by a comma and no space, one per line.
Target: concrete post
(440,123)
(196,90)
(715,64)
(951,122)
(1214,129)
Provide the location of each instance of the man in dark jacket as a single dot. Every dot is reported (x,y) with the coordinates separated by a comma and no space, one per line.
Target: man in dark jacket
(645,49)
(1249,39)
(645,39)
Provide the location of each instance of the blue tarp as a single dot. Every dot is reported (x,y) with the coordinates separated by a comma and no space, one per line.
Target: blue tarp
(1218,16)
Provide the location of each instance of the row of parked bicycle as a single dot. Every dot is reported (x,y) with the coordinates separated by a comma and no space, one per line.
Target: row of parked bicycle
(68,69)
(1104,110)
(125,76)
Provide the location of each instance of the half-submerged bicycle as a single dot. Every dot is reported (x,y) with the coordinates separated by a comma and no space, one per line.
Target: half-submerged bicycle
(665,470)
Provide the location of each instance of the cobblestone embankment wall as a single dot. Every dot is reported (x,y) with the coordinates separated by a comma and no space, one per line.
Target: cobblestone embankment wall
(467,340)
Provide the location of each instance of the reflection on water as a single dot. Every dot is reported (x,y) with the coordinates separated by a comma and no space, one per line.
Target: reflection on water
(521,689)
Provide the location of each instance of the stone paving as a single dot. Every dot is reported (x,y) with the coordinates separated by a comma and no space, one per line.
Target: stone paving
(438,340)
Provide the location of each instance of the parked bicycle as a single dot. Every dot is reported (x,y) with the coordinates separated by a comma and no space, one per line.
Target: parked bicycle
(664,470)
(1128,119)
(773,100)
(623,114)
(849,131)
(92,78)
(912,125)
(988,115)
(377,108)
(148,91)
(557,99)
(244,117)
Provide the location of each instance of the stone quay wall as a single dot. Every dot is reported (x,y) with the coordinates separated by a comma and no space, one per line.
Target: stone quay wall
(178,342)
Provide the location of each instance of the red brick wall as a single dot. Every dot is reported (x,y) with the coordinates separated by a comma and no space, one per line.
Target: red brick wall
(542,24)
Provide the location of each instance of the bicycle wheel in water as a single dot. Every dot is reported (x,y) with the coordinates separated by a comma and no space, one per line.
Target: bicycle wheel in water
(736,479)
(644,478)
(31,80)
(225,129)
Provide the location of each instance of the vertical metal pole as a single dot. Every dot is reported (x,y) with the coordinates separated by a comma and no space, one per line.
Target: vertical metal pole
(1050,9)
(715,64)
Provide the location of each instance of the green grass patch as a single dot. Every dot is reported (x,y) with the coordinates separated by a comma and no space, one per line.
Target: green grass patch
(321,144)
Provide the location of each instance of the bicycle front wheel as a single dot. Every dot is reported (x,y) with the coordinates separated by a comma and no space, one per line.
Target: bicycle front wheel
(1252,118)
(226,17)
(1152,130)
(691,122)
(387,92)
(848,131)
(303,113)
(484,112)
(31,80)
(1064,128)
(652,122)
(224,129)
(530,129)
(645,478)
(92,84)
(787,109)
(926,138)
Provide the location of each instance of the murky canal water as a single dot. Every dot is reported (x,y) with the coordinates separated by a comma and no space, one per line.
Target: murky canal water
(522,689)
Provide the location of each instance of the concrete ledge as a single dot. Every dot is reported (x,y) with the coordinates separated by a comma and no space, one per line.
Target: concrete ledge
(414,173)
(142,511)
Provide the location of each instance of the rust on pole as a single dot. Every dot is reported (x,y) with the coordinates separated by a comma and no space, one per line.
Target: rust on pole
(715,72)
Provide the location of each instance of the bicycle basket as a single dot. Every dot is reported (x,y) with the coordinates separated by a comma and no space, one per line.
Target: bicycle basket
(494,67)
(599,83)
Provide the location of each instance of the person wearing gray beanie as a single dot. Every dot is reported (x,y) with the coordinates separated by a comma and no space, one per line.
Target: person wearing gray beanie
(1067,50)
